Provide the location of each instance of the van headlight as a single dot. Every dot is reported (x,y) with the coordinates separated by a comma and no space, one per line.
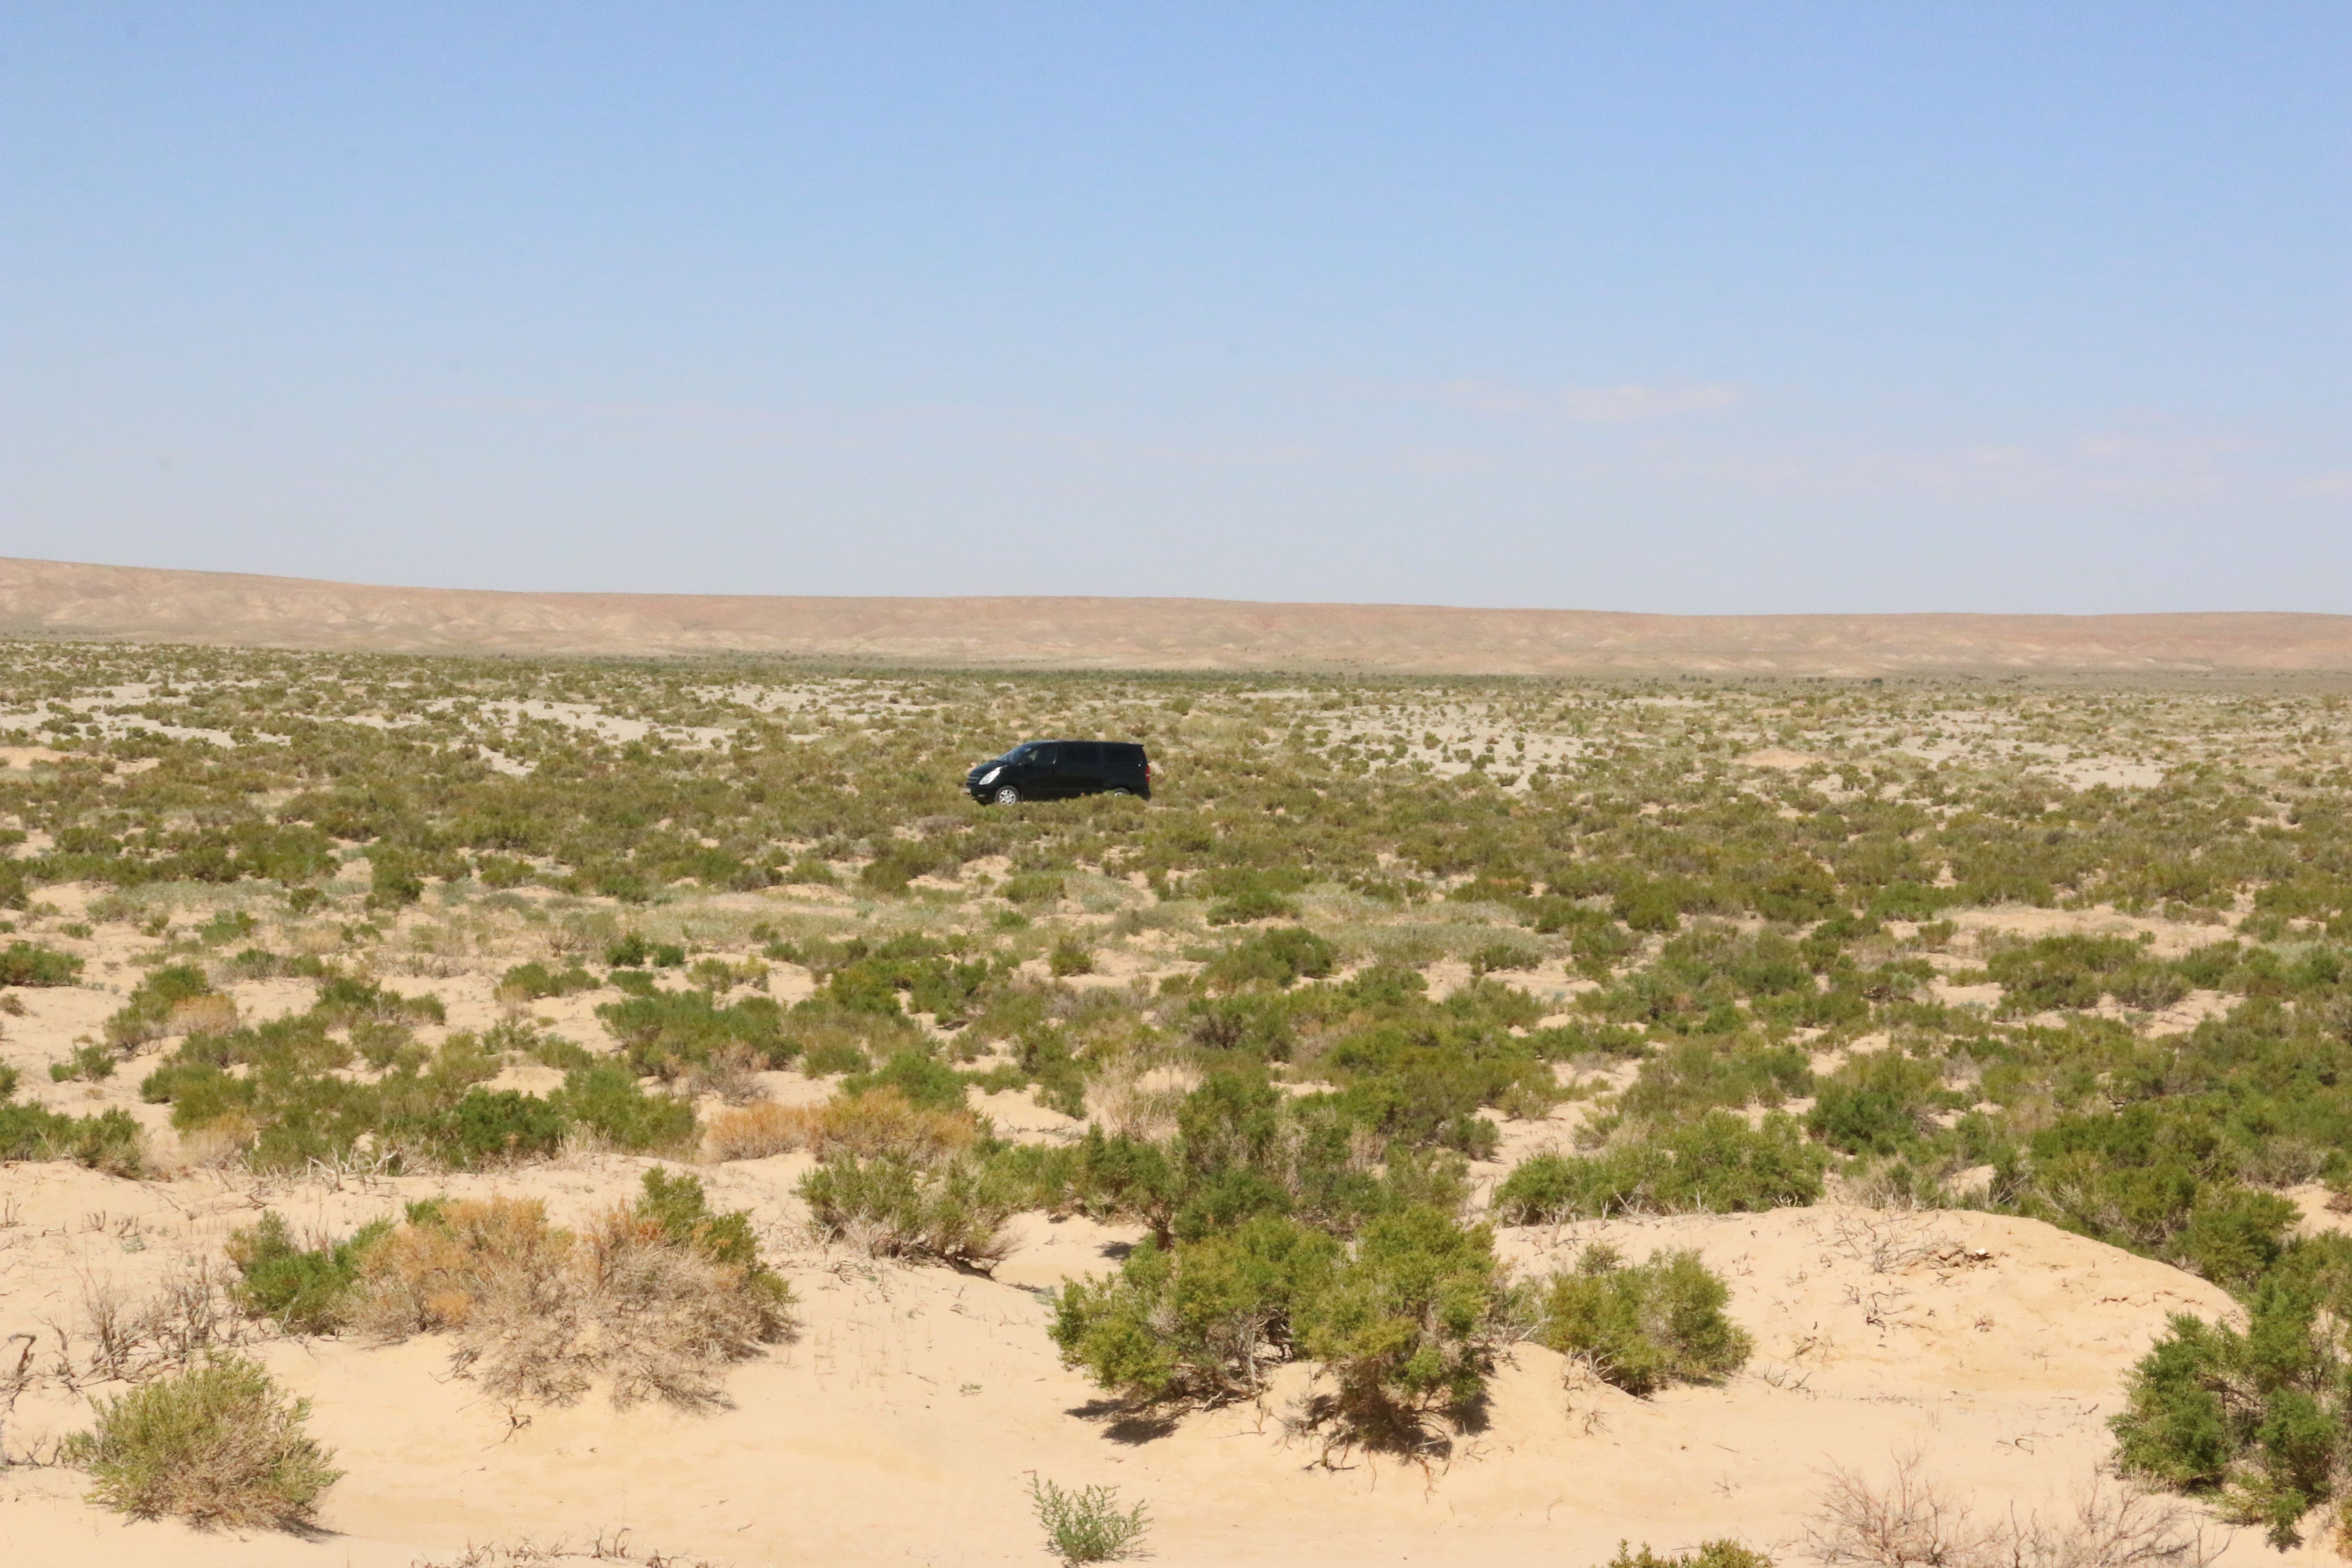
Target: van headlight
(989,775)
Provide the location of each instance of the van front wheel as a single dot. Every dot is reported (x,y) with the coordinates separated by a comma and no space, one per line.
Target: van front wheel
(1007,795)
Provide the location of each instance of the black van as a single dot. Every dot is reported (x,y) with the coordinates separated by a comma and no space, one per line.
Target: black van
(1056,770)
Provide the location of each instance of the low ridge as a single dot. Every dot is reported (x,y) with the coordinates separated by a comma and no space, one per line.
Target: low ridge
(150,605)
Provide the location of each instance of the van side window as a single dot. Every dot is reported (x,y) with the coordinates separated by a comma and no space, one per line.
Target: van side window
(1084,755)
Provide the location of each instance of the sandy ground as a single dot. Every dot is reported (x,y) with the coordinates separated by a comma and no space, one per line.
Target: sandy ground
(904,1422)
(63,598)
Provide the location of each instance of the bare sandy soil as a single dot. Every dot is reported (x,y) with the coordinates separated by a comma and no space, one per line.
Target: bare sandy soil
(142,604)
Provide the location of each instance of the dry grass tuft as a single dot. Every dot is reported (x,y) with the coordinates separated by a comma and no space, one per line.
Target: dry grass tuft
(211,1014)
(1138,1096)
(117,1338)
(599,1548)
(1912,1521)
(879,1122)
(732,1073)
(659,1310)
(433,1272)
(667,1317)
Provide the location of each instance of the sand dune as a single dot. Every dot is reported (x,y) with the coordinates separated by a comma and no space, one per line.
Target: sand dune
(902,1423)
(52,598)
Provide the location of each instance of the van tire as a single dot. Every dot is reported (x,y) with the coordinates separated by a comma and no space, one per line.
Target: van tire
(1006,796)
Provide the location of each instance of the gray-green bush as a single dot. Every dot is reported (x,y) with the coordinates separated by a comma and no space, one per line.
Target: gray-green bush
(217,1445)
(1642,1326)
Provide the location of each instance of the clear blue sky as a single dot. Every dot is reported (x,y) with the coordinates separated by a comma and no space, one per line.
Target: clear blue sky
(1645,305)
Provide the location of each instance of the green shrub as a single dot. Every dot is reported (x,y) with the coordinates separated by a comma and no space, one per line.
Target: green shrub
(1278,958)
(1718,1165)
(344,1000)
(678,1205)
(23,963)
(490,1127)
(2062,972)
(666,1033)
(1648,906)
(1492,956)
(1069,957)
(258,963)
(1877,1103)
(635,952)
(603,1097)
(1409,1324)
(305,1289)
(2255,1417)
(555,1051)
(2156,1177)
(217,1445)
(395,882)
(899,864)
(1201,1322)
(1255,1023)
(2234,1233)
(1087,1525)
(822,1060)
(1239,894)
(1723,1553)
(90,1062)
(905,973)
(1244,1149)
(108,1141)
(300,1106)
(1252,904)
(502,870)
(1032,887)
(1643,1326)
(534,980)
(953,1210)
(148,1011)
(923,1078)
(1688,1078)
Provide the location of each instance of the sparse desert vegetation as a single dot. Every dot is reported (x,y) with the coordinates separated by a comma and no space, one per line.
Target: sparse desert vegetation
(666,1029)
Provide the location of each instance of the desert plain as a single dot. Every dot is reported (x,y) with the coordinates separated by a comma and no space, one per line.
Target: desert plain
(2010,1006)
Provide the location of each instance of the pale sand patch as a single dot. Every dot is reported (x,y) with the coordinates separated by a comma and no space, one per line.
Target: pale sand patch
(1781,759)
(2173,938)
(2318,1217)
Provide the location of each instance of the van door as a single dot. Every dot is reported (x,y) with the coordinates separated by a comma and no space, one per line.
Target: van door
(1041,775)
(1082,767)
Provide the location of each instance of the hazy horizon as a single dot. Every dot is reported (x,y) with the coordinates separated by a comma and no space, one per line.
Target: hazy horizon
(1692,309)
(1240,599)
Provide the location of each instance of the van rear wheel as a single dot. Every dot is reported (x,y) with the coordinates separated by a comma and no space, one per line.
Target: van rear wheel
(1007,795)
